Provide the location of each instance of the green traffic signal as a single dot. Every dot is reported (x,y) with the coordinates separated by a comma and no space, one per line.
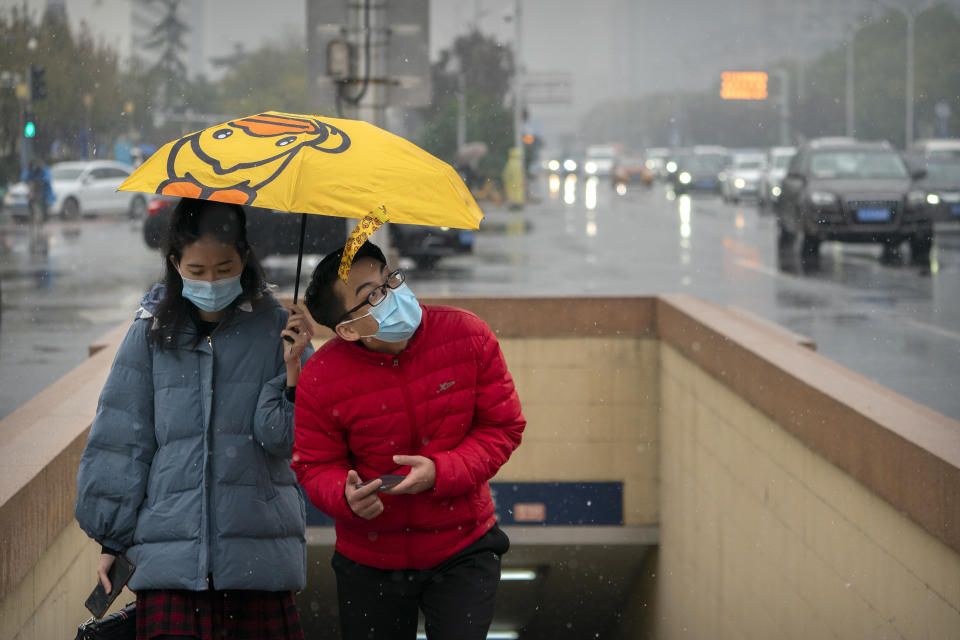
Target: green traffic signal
(29,130)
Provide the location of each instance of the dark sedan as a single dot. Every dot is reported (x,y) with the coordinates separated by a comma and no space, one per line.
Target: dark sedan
(699,172)
(851,191)
(941,187)
(427,245)
(278,233)
(269,232)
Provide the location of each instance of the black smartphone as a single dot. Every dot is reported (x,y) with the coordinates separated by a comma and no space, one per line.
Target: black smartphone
(389,480)
(99,601)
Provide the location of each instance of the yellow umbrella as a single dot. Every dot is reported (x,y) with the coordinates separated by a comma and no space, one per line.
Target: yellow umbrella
(310,164)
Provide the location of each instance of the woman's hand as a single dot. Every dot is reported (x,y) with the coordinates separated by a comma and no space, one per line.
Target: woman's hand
(103,568)
(296,336)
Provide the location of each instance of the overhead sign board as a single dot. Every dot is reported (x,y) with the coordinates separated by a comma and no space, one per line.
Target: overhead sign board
(555,87)
(743,85)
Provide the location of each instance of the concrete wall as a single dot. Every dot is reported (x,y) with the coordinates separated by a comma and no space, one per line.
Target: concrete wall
(48,602)
(795,498)
(761,537)
(47,564)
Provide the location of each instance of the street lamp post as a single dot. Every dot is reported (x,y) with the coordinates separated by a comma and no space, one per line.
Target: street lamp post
(517,78)
(784,106)
(850,97)
(514,180)
(88,106)
(910,16)
(455,67)
(909,117)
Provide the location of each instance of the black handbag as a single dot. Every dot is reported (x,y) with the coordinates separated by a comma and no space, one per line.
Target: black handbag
(121,625)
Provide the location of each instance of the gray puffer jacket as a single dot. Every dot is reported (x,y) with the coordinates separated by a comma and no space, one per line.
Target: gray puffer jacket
(187,466)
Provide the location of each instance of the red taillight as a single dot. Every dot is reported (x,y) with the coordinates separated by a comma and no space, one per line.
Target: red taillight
(156,206)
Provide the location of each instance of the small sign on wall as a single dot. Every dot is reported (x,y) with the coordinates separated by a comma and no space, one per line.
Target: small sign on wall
(559,503)
(530,512)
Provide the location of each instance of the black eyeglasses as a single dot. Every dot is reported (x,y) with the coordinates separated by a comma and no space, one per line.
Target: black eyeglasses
(375,297)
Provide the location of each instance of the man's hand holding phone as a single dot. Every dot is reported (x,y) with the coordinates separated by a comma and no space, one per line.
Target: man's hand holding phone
(363,501)
(422,476)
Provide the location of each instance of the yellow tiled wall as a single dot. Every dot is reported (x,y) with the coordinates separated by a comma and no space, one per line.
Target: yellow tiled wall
(763,538)
(591,409)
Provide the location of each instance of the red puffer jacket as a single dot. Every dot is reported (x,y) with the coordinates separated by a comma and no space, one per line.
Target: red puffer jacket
(447,396)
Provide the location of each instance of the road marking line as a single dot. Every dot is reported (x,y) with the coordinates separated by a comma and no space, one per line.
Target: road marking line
(932,328)
(753,265)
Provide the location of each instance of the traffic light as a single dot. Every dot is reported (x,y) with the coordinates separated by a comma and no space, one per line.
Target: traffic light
(29,126)
(38,84)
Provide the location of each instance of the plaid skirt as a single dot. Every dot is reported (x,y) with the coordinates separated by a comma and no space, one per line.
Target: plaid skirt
(215,615)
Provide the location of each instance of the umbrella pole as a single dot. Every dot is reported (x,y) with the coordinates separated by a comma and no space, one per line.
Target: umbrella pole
(303,232)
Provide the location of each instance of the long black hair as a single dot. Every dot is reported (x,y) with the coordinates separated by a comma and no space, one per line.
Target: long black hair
(191,220)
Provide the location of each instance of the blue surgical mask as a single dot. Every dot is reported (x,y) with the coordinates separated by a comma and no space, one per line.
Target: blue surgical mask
(212,296)
(398,315)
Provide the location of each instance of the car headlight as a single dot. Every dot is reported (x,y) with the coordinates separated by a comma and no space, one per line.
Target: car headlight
(775,191)
(671,167)
(553,165)
(590,167)
(933,199)
(739,183)
(822,198)
(916,198)
(570,165)
(684,178)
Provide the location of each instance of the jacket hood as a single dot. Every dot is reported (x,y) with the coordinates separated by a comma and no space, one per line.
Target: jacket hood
(151,299)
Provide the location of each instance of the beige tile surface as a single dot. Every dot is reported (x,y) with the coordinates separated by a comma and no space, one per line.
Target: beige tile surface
(790,545)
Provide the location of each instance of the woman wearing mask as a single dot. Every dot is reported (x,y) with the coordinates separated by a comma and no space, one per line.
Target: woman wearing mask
(187,466)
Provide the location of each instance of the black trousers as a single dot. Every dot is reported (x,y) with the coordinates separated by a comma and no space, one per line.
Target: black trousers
(457,596)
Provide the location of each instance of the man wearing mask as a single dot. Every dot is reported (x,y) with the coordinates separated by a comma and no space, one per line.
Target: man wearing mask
(418,391)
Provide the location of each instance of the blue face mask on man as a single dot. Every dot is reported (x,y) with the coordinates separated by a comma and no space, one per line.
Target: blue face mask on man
(398,315)
(212,296)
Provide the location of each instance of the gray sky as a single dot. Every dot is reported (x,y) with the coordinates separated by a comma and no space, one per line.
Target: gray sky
(610,48)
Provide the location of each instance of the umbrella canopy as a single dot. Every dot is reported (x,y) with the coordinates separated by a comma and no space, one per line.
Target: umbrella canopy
(310,164)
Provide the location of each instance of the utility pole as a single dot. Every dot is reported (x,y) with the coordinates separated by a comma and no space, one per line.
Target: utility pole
(370,41)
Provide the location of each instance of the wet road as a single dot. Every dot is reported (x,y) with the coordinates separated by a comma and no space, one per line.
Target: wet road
(892,323)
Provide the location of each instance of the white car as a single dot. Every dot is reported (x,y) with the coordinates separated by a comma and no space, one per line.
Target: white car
(742,177)
(600,159)
(772,179)
(86,188)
